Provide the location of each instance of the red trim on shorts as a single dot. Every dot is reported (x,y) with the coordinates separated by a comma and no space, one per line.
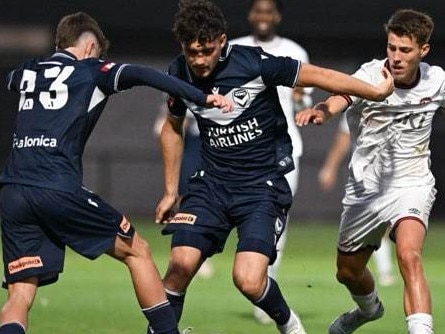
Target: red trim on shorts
(393,230)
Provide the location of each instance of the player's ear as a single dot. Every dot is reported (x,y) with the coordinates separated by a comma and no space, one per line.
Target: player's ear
(223,40)
(424,50)
(88,49)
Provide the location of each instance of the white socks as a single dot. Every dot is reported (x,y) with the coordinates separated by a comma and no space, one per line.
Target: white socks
(420,323)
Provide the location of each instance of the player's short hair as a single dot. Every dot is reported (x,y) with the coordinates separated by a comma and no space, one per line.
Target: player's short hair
(72,26)
(198,20)
(411,23)
(278,4)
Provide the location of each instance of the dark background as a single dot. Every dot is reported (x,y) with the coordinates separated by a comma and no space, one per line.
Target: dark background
(122,161)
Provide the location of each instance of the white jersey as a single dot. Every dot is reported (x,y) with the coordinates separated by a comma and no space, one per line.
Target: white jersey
(280,46)
(392,137)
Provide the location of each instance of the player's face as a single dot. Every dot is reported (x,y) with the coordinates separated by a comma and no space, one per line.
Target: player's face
(404,55)
(203,58)
(264,18)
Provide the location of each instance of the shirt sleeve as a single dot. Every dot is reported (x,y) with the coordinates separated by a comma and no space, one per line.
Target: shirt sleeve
(13,80)
(176,105)
(138,75)
(279,71)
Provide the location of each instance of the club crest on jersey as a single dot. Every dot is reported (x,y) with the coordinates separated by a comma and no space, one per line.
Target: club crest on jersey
(426,100)
(106,67)
(241,97)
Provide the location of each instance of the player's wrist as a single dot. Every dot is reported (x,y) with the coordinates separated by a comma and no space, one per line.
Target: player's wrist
(323,109)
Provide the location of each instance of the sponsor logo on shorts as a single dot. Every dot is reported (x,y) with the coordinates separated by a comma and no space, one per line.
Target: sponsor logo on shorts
(183,218)
(24,263)
(415,211)
(125,225)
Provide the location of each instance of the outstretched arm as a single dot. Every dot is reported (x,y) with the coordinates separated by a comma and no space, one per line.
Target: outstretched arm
(138,75)
(341,83)
(322,112)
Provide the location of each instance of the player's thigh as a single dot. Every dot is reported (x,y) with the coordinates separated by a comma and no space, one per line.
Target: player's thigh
(202,221)
(82,220)
(260,213)
(408,203)
(135,247)
(409,236)
(361,225)
(28,249)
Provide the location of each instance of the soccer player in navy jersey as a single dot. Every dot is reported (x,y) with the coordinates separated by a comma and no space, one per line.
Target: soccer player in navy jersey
(44,206)
(244,157)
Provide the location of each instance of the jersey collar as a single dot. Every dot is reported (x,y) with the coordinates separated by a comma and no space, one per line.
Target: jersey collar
(64,54)
(401,85)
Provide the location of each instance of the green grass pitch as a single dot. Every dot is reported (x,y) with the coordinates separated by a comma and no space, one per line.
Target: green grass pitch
(97,297)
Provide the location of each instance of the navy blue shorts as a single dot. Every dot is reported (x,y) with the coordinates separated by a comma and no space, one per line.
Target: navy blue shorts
(38,223)
(210,210)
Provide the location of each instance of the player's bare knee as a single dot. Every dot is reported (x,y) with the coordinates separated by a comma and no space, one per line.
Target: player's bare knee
(409,261)
(182,265)
(346,276)
(249,285)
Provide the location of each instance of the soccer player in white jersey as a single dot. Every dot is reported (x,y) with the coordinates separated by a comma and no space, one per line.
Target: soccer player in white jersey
(390,181)
(327,177)
(264,17)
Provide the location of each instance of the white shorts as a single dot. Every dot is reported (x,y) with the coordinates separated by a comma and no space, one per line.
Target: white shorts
(367,214)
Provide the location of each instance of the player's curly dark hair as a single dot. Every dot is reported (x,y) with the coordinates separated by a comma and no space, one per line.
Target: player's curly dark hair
(198,20)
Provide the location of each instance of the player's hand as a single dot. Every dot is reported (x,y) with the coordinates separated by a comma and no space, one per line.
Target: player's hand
(310,115)
(219,101)
(327,179)
(166,209)
(386,87)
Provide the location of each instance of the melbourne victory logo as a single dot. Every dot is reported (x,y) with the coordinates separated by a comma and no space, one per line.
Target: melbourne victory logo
(241,97)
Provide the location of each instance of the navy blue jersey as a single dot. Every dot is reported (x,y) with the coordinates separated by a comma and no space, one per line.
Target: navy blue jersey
(250,144)
(61,99)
